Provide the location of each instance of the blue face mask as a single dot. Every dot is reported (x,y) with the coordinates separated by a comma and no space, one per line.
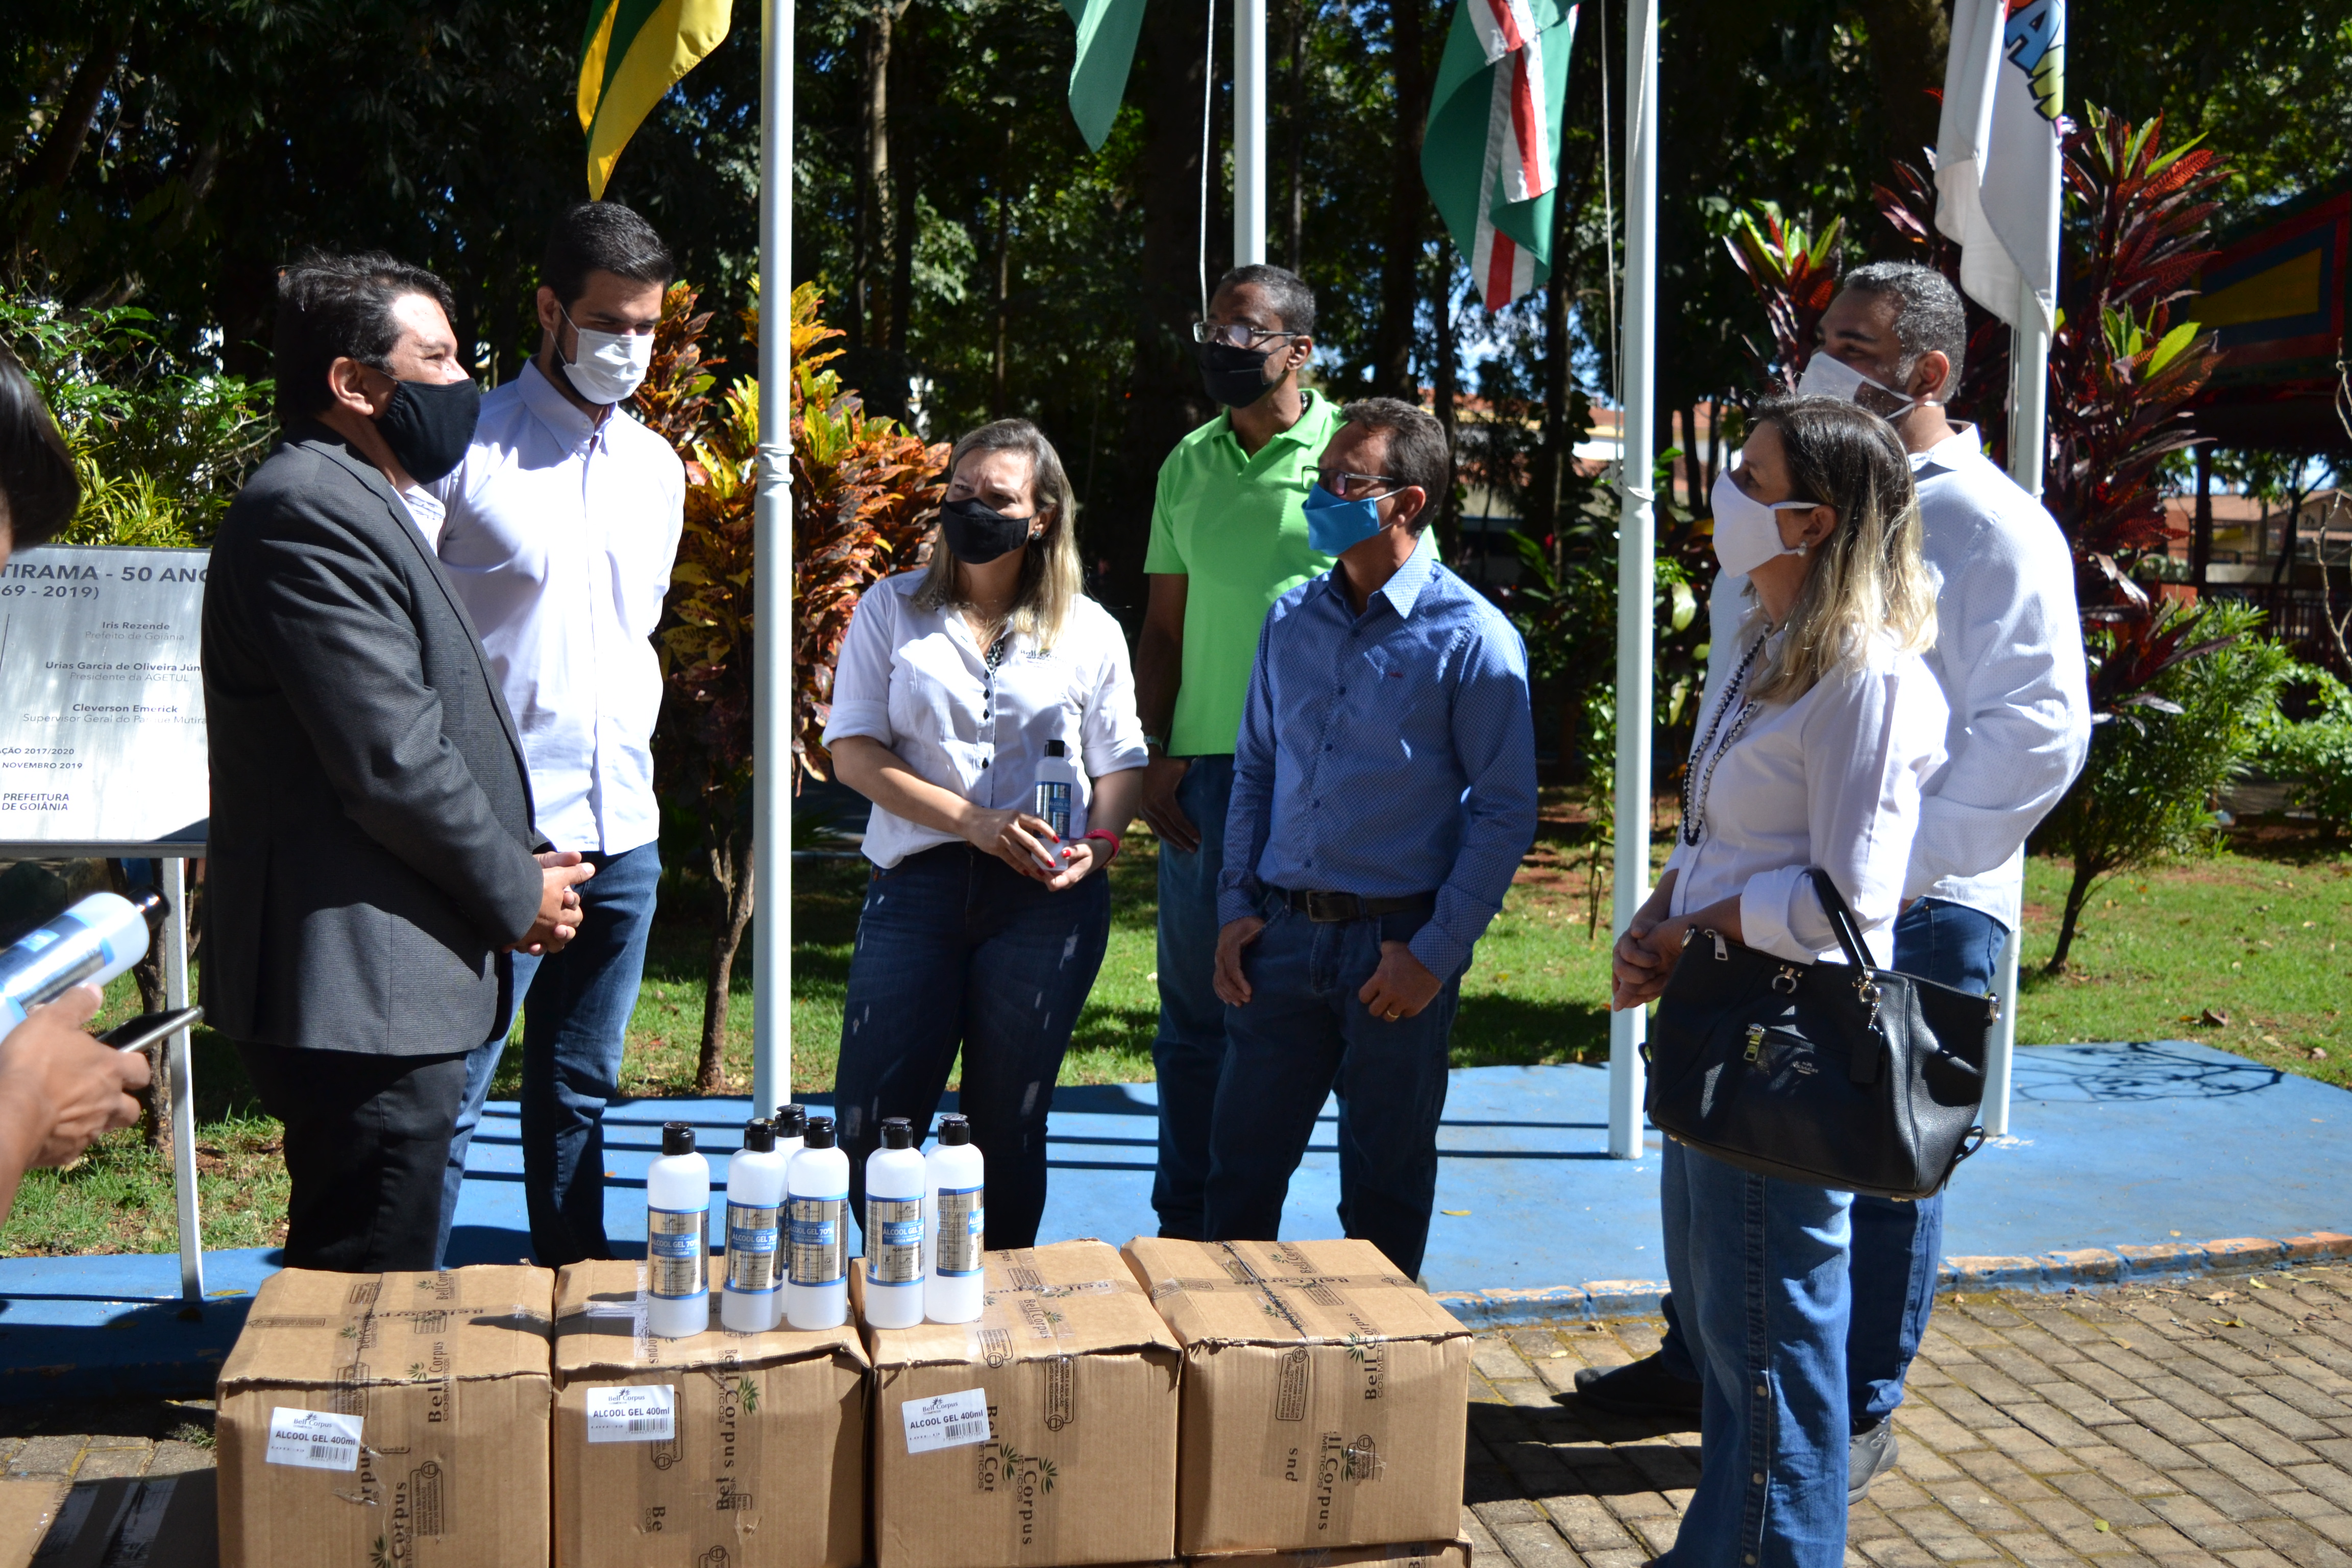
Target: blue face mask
(1335,525)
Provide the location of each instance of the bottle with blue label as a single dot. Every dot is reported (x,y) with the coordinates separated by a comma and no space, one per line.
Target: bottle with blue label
(955,1203)
(90,944)
(817,1193)
(754,1297)
(677,1237)
(894,1229)
(1057,799)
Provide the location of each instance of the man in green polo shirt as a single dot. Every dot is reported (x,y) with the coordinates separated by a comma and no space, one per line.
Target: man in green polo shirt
(1228,539)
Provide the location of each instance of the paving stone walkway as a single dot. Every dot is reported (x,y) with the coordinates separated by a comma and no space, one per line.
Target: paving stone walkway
(2183,1428)
(2177,1427)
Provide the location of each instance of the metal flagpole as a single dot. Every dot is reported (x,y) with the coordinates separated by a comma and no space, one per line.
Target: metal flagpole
(1249,131)
(2029,409)
(172,1063)
(771,578)
(1636,545)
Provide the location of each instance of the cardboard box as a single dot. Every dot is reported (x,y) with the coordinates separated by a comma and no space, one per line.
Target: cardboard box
(1416,1554)
(751,1452)
(1325,1396)
(27,1509)
(155,1521)
(388,1418)
(1042,1435)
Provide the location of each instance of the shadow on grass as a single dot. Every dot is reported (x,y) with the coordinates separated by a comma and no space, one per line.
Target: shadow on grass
(1494,1030)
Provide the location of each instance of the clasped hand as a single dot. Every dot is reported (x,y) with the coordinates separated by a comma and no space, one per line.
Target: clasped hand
(1644,957)
(560,872)
(1028,844)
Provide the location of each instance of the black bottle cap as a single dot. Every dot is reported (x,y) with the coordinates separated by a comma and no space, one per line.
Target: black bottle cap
(954,1130)
(1056,749)
(678,1138)
(898,1133)
(790,1120)
(820,1133)
(759,1138)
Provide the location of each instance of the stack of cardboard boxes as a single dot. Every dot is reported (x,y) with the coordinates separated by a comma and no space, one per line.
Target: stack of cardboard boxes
(1246,1404)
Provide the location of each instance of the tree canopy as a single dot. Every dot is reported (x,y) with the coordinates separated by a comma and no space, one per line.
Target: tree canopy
(169,154)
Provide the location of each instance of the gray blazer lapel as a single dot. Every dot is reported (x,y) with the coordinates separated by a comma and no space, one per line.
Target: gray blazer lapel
(334,449)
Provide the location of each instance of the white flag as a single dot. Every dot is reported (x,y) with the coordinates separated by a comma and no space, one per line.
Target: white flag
(1997,152)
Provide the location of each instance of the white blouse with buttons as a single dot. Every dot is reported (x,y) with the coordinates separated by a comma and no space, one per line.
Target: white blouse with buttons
(917,682)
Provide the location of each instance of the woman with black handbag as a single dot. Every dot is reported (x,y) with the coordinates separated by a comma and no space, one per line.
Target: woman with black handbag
(1810,757)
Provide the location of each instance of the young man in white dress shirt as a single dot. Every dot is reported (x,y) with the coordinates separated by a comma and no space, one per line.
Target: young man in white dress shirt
(560,531)
(2009,654)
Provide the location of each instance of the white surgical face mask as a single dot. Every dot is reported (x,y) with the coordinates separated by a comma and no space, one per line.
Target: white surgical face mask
(1826,376)
(1747,530)
(606,367)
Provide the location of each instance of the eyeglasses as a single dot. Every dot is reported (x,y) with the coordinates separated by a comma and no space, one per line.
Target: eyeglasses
(1234,334)
(1359,487)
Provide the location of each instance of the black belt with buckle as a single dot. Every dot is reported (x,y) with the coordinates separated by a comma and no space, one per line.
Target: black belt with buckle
(1331,908)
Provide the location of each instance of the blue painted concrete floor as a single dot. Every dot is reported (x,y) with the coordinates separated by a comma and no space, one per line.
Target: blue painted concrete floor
(2109,1144)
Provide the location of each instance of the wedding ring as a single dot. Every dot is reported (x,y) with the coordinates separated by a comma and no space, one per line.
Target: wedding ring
(1393,1014)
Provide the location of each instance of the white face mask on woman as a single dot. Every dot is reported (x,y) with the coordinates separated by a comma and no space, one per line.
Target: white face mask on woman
(1747,530)
(1827,377)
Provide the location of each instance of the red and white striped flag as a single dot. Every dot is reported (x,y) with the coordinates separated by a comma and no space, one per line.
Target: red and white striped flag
(1497,110)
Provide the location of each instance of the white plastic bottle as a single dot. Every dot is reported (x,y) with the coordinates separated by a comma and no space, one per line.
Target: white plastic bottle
(894,1229)
(954,1205)
(1059,799)
(754,1297)
(816,1186)
(101,937)
(791,1123)
(677,1237)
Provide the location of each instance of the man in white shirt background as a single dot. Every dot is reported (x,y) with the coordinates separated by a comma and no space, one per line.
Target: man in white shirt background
(2009,654)
(559,532)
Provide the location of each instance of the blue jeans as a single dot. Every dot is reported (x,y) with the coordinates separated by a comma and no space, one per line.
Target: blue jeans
(1189,1052)
(956,949)
(1896,1246)
(1759,1267)
(1303,1033)
(575,1006)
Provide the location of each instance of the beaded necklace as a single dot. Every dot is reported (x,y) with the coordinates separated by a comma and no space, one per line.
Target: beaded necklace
(1696,785)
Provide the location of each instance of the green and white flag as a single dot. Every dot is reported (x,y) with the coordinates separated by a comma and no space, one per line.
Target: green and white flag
(1106,34)
(1491,155)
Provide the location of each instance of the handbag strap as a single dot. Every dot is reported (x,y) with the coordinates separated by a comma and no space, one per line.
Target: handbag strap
(1842,921)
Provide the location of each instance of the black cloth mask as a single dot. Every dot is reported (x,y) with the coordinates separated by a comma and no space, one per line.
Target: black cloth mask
(977,535)
(428,426)
(1234,377)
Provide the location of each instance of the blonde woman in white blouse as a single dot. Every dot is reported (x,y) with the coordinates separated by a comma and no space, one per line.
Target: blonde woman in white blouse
(982,932)
(1812,753)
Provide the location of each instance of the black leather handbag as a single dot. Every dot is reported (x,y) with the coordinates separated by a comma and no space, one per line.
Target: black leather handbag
(1843,1076)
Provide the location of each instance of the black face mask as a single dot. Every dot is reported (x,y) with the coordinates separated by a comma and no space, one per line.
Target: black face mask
(428,426)
(976,535)
(1234,377)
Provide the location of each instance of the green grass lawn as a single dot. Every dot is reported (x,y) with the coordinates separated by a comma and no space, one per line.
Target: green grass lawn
(2258,935)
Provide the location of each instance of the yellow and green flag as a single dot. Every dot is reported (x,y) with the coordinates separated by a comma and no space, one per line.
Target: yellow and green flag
(634,52)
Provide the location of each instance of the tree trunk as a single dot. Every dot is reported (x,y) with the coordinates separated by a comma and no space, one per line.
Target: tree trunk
(1393,337)
(731,875)
(869,313)
(1448,507)
(2078,894)
(1165,401)
(1300,20)
(998,400)
(53,165)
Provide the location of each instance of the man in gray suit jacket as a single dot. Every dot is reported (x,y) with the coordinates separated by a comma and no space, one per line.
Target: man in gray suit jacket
(373,860)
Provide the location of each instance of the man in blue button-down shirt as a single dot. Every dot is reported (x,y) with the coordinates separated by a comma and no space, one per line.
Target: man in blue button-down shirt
(1384,790)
